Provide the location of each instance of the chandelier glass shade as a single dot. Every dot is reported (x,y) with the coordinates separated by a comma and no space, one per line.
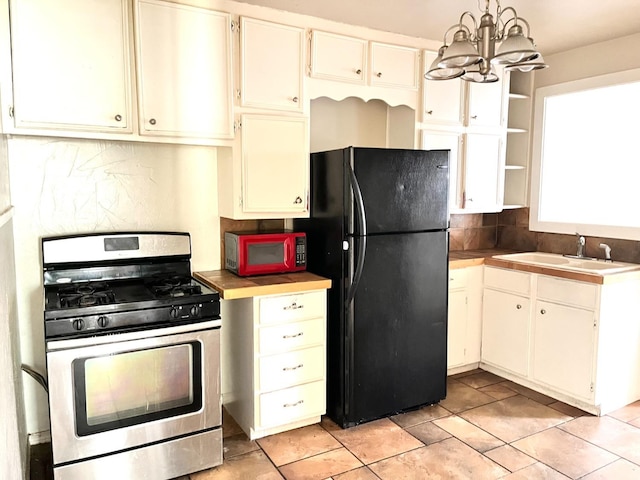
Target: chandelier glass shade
(472,54)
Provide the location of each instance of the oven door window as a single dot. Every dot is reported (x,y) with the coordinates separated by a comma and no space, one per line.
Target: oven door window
(131,388)
(266,253)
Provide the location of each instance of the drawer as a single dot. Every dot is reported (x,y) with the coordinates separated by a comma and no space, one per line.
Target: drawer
(578,294)
(286,406)
(287,308)
(457,278)
(291,336)
(508,280)
(291,368)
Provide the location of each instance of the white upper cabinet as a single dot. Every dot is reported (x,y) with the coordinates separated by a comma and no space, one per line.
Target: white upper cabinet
(486,103)
(354,60)
(184,70)
(275,165)
(337,57)
(483,173)
(271,65)
(394,66)
(443,101)
(71,64)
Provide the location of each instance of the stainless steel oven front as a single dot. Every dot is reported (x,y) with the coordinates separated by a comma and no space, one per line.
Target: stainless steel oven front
(141,404)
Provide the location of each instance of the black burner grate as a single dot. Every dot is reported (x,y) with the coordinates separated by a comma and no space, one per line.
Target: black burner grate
(173,286)
(86,295)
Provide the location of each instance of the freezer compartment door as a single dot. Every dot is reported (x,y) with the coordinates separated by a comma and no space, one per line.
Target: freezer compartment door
(396,326)
(402,190)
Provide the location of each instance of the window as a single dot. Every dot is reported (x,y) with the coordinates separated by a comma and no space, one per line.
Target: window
(586,157)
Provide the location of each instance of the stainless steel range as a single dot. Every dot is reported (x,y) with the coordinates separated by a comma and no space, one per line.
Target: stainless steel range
(133,357)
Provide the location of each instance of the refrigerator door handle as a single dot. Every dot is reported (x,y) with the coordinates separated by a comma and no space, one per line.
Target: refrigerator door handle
(362,227)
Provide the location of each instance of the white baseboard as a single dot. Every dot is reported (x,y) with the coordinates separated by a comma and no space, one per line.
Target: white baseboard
(40,437)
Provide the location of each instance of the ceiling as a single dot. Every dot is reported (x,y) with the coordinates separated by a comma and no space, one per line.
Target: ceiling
(556,25)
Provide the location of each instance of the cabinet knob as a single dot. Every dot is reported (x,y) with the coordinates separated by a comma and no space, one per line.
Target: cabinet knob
(152,121)
(358,71)
(429,112)
(543,311)
(474,117)
(379,74)
(295,99)
(118,118)
(297,201)
(518,306)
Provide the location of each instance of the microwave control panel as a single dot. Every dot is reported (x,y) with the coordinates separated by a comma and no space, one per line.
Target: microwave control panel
(301,251)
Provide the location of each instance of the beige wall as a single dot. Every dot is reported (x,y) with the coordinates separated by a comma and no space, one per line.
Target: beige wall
(64,186)
(598,59)
(13,434)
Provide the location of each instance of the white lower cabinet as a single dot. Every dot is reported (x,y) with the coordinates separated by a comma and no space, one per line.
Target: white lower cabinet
(563,348)
(505,330)
(273,361)
(464,319)
(574,341)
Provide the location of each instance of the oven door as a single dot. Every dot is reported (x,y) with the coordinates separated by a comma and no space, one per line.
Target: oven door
(116,392)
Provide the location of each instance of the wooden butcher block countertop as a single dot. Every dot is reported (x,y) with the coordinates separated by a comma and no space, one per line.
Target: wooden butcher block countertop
(231,286)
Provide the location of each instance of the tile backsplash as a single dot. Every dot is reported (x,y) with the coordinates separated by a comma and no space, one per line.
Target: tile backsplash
(509,229)
(513,233)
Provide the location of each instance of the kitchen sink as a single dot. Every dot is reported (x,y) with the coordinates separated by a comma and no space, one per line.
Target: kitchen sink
(555,260)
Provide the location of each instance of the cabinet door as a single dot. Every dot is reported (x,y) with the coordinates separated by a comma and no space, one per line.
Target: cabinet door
(393,66)
(452,141)
(184,70)
(505,331)
(336,57)
(71,64)
(456,328)
(271,65)
(486,103)
(563,351)
(443,101)
(483,173)
(275,164)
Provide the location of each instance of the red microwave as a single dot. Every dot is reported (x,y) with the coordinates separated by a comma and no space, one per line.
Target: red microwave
(259,253)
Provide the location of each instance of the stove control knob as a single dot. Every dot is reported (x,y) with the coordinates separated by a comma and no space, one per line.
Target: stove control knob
(78,324)
(103,321)
(195,311)
(173,313)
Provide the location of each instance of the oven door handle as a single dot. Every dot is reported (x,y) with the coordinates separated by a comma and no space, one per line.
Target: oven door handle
(66,343)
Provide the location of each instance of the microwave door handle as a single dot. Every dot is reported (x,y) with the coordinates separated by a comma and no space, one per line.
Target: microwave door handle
(362,227)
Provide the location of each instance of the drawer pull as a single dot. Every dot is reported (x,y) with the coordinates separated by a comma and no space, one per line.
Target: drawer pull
(299,402)
(288,369)
(293,306)
(299,334)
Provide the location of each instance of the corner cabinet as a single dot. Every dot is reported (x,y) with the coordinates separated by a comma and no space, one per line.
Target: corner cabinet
(516,175)
(271,65)
(575,341)
(173,42)
(266,174)
(273,361)
(71,65)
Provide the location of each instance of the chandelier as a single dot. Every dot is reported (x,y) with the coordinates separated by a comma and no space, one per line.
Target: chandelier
(472,53)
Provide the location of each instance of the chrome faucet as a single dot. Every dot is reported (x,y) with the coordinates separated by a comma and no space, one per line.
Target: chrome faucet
(581,244)
(607,252)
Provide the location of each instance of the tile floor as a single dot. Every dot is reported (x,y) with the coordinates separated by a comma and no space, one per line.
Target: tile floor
(486,428)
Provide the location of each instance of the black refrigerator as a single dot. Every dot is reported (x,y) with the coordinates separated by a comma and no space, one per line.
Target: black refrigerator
(378,228)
